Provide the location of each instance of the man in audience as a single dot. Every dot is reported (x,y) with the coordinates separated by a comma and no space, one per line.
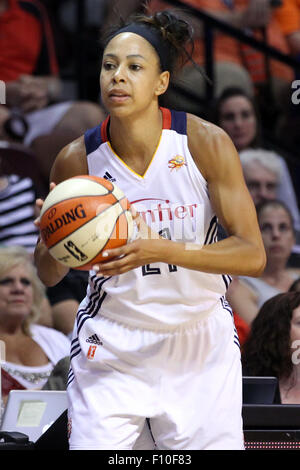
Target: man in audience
(262,171)
(266,180)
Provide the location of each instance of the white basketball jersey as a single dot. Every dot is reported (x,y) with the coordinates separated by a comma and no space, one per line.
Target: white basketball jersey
(173,199)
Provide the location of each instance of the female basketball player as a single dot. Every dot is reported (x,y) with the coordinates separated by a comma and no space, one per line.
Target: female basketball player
(154,337)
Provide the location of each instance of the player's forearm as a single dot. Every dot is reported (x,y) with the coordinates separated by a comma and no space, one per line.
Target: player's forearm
(232,256)
(49,270)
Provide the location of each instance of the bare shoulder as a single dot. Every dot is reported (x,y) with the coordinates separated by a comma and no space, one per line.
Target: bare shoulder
(70,161)
(246,290)
(294,272)
(210,146)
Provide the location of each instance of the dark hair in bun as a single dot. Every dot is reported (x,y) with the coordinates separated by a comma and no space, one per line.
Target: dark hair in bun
(175,31)
(175,34)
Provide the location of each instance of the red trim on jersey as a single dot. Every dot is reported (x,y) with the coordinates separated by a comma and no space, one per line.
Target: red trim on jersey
(166,124)
(167,118)
(104,133)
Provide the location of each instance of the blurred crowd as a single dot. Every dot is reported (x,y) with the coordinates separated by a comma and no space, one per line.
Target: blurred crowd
(50,53)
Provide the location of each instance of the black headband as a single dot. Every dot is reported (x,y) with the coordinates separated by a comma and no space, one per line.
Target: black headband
(153,37)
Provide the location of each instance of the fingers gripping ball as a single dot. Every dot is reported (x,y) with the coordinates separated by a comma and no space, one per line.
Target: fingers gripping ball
(83,216)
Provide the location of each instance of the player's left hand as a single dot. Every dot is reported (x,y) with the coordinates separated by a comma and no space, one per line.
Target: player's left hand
(148,247)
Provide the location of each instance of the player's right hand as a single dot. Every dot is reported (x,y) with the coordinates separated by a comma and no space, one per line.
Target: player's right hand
(38,207)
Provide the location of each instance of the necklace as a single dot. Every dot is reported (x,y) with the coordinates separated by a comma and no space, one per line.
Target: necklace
(32,377)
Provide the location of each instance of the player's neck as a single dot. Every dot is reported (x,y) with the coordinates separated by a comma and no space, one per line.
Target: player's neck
(135,139)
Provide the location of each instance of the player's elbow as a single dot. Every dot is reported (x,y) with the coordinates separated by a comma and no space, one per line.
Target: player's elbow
(258,261)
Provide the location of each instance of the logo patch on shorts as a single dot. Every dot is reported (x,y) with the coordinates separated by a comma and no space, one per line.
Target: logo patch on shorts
(91,352)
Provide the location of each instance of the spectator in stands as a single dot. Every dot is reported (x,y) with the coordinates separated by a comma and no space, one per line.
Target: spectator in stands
(29,68)
(267,178)
(236,112)
(262,172)
(246,295)
(17,212)
(17,228)
(236,64)
(31,350)
(272,347)
(65,298)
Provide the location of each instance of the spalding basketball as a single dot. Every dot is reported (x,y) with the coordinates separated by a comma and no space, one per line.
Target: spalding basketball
(83,216)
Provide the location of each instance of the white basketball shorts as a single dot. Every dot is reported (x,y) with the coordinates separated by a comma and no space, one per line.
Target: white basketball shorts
(188,382)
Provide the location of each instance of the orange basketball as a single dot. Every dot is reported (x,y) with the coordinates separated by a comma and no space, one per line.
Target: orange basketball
(83,216)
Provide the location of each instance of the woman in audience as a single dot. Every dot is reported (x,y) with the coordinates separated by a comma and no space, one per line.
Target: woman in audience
(273,345)
(236,112)
(246,295)
(30,350)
